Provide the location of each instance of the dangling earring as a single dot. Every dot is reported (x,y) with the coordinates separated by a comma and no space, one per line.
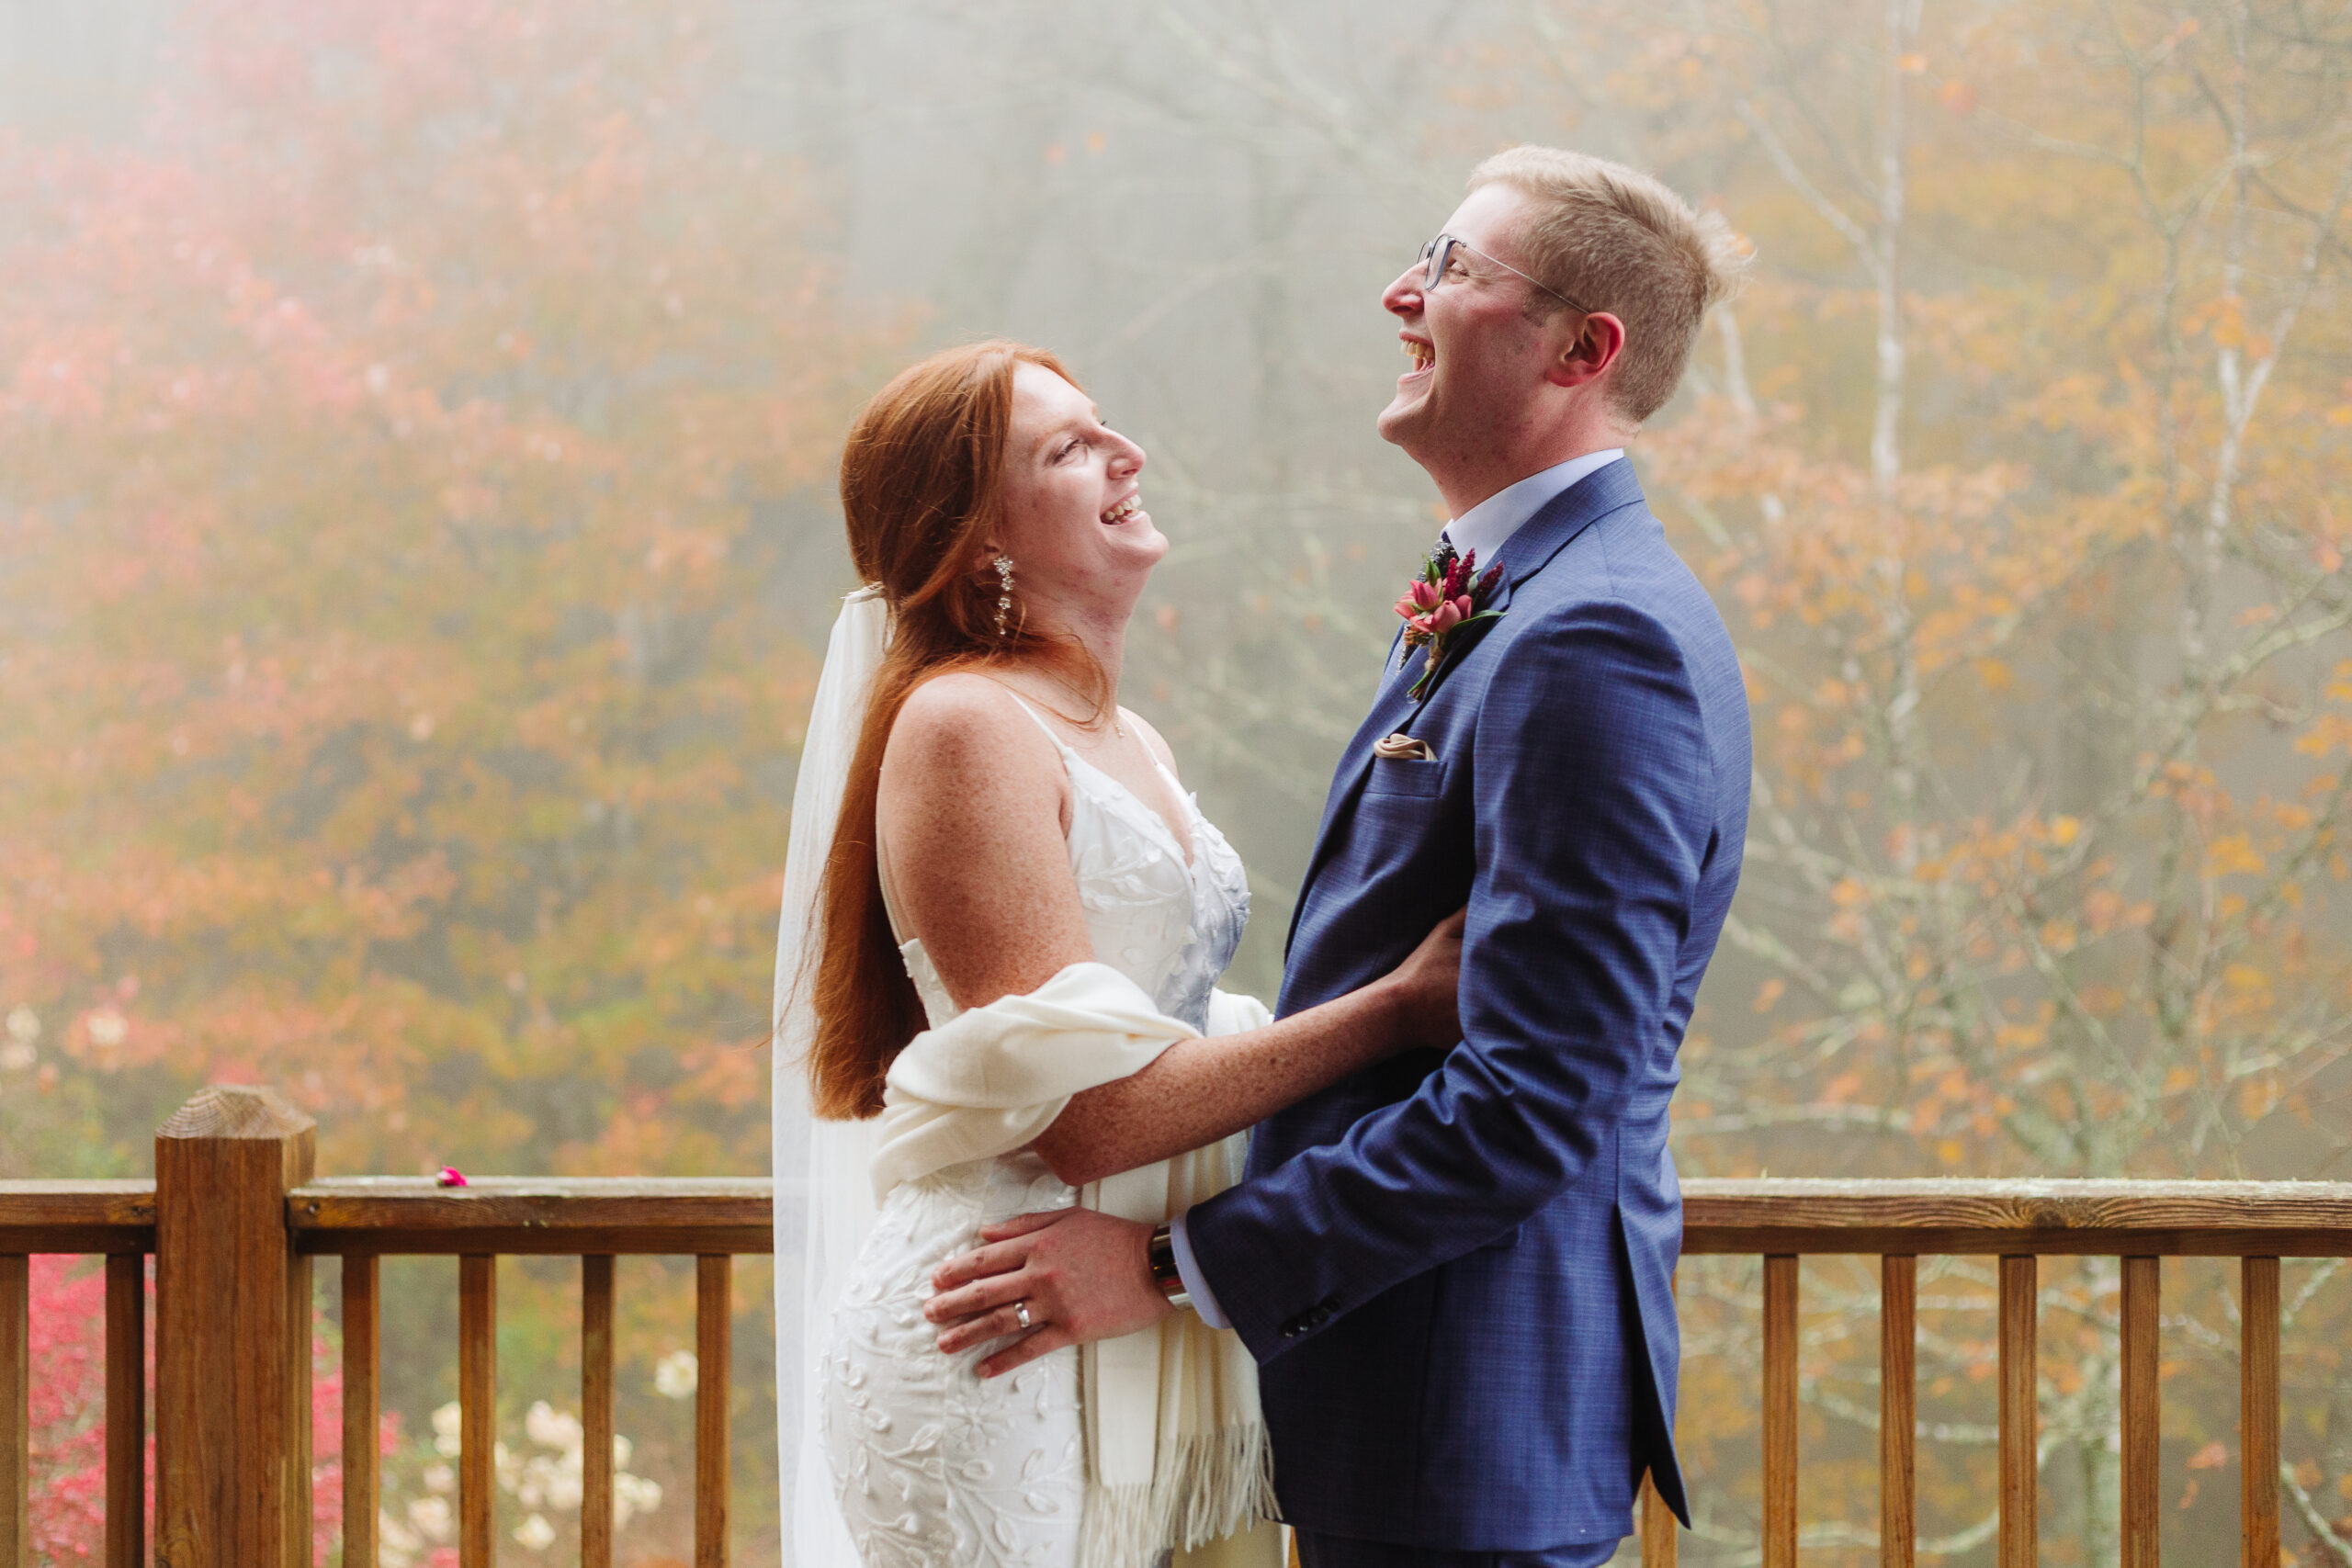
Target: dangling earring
(1003,592)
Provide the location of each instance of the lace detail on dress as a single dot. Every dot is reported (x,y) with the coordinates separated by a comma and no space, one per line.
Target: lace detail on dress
(935,1468)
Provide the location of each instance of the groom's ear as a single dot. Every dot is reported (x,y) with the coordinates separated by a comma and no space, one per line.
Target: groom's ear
(1589,345)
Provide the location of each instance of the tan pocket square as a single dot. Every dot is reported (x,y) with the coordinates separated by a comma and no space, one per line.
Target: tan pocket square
(1403,748)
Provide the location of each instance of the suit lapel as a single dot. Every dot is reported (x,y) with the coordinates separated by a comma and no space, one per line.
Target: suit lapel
(1388,703)
(1525,553)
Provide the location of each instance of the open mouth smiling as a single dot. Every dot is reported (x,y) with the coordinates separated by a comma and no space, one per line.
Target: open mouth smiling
(1123,510)
(1422,355)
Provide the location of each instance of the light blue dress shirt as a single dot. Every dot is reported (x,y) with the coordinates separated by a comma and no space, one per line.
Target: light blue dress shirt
(1484,528)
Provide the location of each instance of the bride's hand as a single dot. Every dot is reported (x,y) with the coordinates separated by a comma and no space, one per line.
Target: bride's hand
(1426,988)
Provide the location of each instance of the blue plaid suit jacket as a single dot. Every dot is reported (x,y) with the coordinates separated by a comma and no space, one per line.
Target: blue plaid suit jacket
(1454,1268)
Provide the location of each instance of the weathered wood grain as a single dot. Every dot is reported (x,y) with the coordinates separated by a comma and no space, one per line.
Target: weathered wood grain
(2211,1219)
(2142,1415)
(477,1409)
(1898,1398)
(596,1412)
(16,1411)
(362,1409)
(1780,1412)
(2021,1417)
(714,1381)
(226,1335)
(112,1217)
(2258,1413)
(125,1542)
(523,1214)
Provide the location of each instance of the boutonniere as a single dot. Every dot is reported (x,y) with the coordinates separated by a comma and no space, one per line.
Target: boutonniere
(1448,596)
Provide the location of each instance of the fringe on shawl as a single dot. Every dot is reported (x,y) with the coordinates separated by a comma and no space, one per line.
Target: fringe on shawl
(1214,1484)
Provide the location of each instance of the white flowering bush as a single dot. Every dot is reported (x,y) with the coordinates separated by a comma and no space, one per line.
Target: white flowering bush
(676,1375)
(418,1516)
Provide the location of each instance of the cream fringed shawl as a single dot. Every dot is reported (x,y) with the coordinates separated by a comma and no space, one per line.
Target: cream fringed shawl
(1176,1448)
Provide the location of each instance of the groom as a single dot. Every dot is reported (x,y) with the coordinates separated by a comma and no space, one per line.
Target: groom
(1454,1270)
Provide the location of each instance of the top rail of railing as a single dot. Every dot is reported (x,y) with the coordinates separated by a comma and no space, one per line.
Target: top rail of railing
(2067,1218)
(77,1216)
(1752,1216)
(513,1213)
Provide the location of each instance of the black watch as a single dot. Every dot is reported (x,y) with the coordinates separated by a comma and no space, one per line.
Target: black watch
(1164,1272)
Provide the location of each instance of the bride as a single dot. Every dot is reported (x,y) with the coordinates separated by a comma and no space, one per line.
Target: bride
(1004,921)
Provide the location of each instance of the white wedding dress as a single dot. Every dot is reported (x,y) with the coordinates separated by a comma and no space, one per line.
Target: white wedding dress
(934,1467)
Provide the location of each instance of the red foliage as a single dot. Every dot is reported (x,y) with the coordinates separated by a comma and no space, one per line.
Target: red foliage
(69,1426)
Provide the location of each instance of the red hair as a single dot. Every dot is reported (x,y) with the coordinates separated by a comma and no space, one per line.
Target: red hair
(921,488)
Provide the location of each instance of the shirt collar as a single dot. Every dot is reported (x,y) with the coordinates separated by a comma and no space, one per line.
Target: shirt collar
(1486,526)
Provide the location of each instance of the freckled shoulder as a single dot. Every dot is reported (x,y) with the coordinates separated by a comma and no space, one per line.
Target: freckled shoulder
(959,730)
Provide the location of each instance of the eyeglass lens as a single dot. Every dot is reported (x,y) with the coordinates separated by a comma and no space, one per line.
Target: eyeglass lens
(1435,255)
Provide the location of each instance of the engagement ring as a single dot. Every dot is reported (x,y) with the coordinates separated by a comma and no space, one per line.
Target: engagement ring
(1020,1314)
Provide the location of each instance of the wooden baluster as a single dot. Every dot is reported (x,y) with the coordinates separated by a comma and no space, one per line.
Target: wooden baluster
(2258,1413)
(714,1357)
(1780,1412)
(1657,1520)
(1898,1405)
(126,1410)
(596,1411)
(2021,1422)
(232,1333)
(16,1411)
(2143,1289)
(300,1310)
(362,1411)
(1658,1525)
(477,1409)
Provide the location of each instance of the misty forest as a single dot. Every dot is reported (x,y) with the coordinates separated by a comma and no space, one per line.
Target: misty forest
(418,429)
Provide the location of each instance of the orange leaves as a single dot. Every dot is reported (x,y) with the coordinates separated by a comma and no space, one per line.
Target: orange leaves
(390,617)
(2232,854)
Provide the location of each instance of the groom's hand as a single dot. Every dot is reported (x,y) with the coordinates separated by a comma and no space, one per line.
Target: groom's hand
(1083,1277)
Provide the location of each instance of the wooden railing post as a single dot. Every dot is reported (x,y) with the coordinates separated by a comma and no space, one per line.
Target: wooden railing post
(1898,1406)
(126,1410)
(16,1411)
(714,1379)
(597,1410)
(2258,1411)
(2142,1291)
(1780,1411)
(362,1409)
(232,1334)
(2021,1416)
(477,1409)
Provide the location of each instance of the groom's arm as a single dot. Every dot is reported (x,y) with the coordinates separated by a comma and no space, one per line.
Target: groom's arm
(1594,809)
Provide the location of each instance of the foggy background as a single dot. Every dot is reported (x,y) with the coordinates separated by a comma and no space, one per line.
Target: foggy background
(416,536)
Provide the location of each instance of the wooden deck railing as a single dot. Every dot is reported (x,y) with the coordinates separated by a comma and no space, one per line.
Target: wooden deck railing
(235,1217)
(2019,1223)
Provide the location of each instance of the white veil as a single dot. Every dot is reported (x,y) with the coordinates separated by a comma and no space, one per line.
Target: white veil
(824,1199)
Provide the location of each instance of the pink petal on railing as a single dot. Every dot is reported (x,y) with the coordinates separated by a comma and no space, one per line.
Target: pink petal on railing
(449,1176)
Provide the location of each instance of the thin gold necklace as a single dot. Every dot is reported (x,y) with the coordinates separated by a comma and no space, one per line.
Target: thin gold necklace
(1116,728)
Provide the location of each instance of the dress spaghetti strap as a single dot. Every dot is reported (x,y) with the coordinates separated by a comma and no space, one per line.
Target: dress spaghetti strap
(1034,718)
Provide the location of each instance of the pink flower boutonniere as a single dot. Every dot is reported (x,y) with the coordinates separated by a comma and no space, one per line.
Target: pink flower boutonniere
(1448,596)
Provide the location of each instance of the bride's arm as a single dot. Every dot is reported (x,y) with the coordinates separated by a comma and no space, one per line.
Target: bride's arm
(1197,1091)
(972,812)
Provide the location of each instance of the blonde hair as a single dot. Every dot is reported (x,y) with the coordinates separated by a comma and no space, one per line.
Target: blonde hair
(1618,240)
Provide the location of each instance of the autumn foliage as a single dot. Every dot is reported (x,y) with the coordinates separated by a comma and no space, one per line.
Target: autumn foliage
(396,438)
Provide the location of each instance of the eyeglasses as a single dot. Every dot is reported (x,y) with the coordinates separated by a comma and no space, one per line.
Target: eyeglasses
(1439,254)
